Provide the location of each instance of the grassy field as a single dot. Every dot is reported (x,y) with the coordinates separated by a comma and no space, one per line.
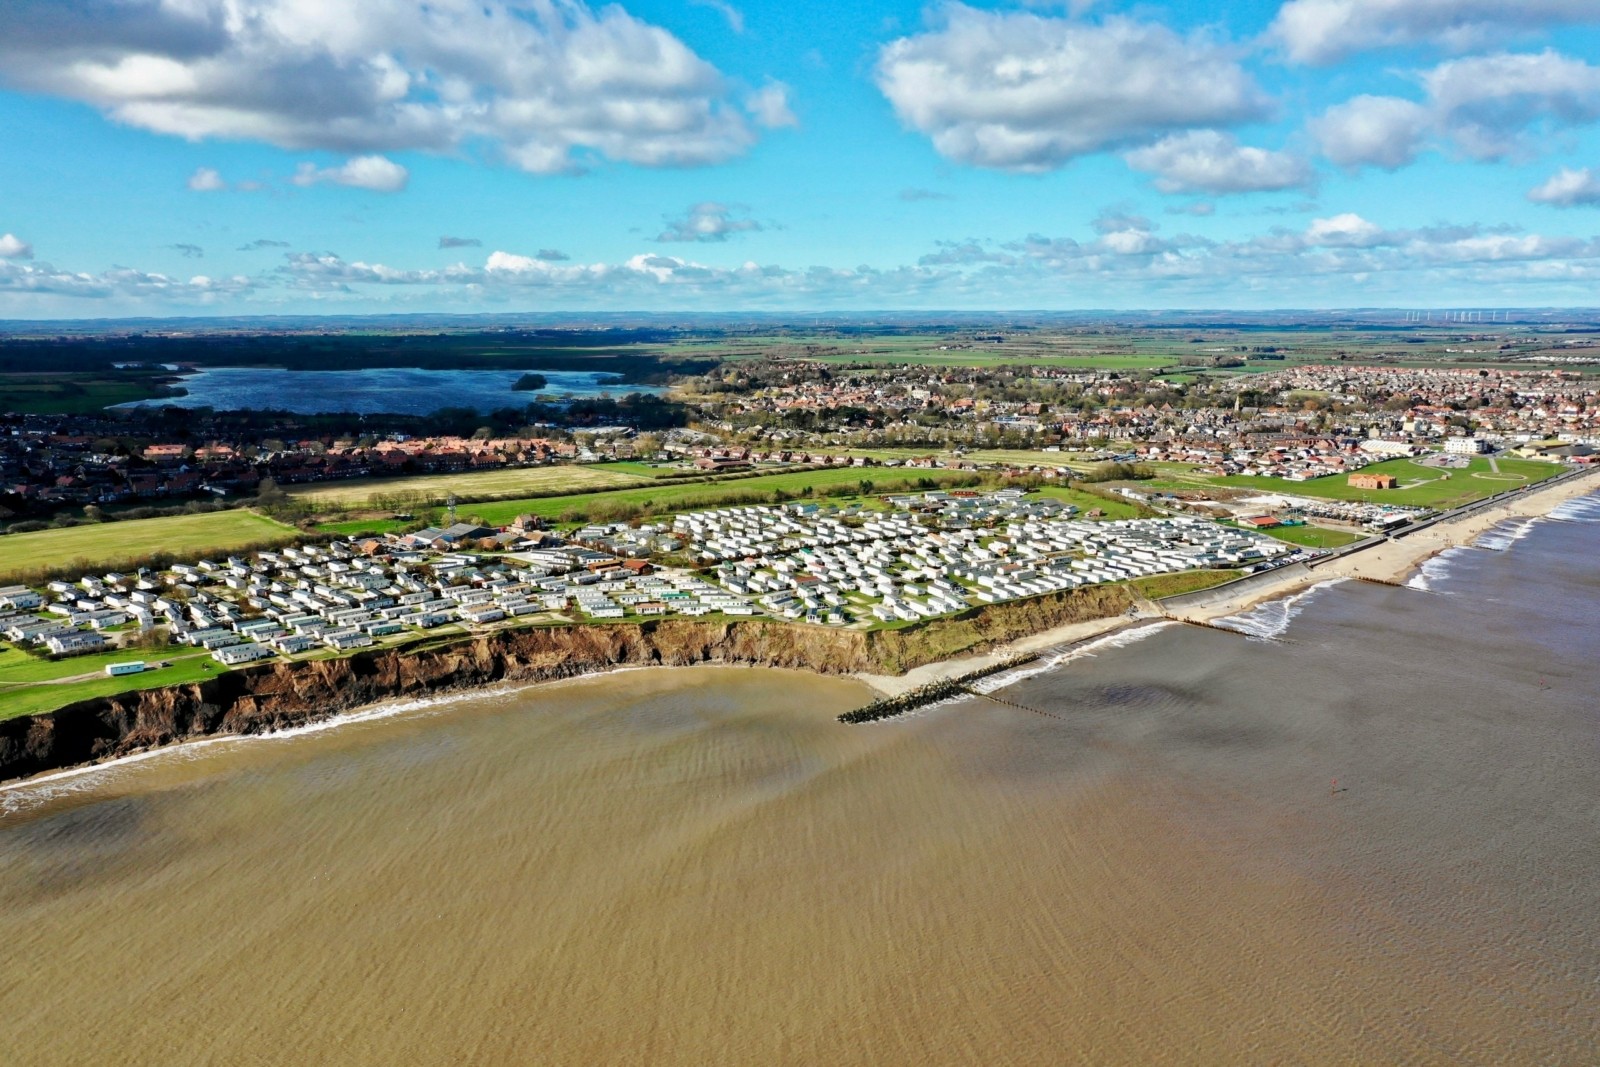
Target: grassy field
(1162,585)
(428,488)
(1019,457)
(1087,502)
(363,526)
(183,535)
(1420,486)
(670,496)
(74,394)
(1313,536)
(18,668)
(36,698)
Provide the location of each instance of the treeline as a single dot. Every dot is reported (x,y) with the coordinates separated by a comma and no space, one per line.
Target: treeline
(93,515)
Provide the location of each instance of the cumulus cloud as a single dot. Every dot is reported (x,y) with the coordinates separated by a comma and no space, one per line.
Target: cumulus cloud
(14,247)
(460,242)
(1345,231)
(552,83)
(1337,260)
(261,243)
(1026,92)
(709,221)
(1483,107)
(1325,31)
(188,251)
(376,173)
(1210,161)
(1568,188)
(206,180)
(769,106)
(1375,131)
(552,255)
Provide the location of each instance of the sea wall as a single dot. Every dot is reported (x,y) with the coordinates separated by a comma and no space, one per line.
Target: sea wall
(1221,594)
(286,694)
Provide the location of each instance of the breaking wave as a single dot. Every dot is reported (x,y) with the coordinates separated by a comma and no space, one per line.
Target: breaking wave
(1267,622)
(1119,639)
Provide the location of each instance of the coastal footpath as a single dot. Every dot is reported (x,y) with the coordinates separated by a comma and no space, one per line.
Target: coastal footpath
(281,695)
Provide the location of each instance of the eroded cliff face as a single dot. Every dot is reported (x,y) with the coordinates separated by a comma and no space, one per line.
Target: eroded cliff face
(281,695)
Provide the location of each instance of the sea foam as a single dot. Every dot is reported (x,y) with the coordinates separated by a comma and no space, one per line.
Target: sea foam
(1053,659)
(1266,622)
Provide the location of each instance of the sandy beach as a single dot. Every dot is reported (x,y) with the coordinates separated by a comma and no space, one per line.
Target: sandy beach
(1386,560)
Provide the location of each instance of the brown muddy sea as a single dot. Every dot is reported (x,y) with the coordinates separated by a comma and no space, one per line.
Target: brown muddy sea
(700,866)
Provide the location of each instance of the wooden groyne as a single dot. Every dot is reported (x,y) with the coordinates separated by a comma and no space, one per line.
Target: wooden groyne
(933,692)
(1208,626)
(1381,581)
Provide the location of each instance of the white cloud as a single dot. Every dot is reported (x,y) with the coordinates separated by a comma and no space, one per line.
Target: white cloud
(1484,107)
(14,247)
(1020,91)
(1568,188)
(364,172)
(769,106)
(206,180)
(1211,161)
(709,221)
(1345,231)
(552,83)
(1378,131)
(1325,31)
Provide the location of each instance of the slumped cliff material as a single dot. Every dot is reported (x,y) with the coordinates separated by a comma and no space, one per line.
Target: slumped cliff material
(281,695)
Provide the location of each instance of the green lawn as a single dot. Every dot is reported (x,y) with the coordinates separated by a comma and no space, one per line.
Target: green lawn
(34,699)
(1164,585)
(1426,487)
(121,543)
(1313,536)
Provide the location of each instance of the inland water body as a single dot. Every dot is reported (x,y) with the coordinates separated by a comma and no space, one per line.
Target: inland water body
(700,866)
(385,390)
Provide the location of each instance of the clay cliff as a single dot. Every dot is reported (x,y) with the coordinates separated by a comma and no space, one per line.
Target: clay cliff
(280,695)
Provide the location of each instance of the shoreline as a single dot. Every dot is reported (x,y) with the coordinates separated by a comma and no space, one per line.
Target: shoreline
(1385,560)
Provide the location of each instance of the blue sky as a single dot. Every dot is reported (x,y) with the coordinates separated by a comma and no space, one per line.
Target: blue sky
(260,156)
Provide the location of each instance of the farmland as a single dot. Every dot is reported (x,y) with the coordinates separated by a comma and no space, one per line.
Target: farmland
(118,543)
(476,485)
(667,497)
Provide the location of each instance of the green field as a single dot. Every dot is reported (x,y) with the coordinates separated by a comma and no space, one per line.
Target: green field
(363,526)
(434,488)
(1087,502)
(670,496)
(119,543)
(1420,486)
(75,394)
(1017,457)
(1164,585)
(37,698)
(1313,536)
